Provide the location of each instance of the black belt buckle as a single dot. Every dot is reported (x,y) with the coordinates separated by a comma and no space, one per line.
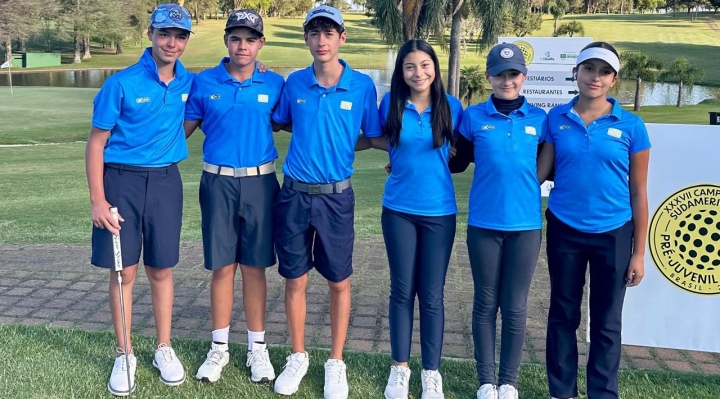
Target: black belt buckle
(314,189)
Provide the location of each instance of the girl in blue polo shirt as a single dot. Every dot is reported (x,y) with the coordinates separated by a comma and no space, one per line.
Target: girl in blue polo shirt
(505,219)
(418,216)
(597,214)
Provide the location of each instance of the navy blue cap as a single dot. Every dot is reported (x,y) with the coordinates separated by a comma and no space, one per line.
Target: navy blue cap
(171,16)
(505,56)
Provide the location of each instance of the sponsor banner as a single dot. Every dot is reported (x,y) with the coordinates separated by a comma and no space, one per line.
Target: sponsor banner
(676,305)
(549,50)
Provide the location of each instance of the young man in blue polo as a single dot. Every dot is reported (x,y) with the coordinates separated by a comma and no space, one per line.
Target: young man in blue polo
(137,138)
(234,102)
(328,105)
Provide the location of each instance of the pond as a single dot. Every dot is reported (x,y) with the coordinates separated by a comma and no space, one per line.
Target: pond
(653,93)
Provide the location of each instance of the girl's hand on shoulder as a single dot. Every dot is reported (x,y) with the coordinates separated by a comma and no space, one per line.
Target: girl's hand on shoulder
(636,270)
(261,67)
(453,151)
(388,168)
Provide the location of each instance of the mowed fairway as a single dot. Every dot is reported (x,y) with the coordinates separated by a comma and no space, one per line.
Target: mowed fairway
(45,362)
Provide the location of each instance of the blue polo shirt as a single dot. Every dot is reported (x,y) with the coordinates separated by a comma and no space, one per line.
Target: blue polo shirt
(236,116)
(326,123)
(505,192)
(143,114)
(420,182)
(592,166)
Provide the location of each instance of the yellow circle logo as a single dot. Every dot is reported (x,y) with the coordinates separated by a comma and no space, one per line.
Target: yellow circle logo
(527,51)
(684,239)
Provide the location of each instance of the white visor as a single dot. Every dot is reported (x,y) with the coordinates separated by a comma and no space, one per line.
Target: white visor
(600,54)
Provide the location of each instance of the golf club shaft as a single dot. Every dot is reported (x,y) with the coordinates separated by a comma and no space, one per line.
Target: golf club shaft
(117,253)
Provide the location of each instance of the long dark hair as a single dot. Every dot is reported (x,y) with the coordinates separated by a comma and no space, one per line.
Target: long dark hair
(440,117)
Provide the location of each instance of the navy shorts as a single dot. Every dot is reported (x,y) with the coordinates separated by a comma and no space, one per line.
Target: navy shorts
(237,219)
(151,202)
(315,230)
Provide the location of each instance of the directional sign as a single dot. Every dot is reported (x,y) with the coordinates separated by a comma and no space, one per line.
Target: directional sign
(549,91)
(555,78)
(547,103)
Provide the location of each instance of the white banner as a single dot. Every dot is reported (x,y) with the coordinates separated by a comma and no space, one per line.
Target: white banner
(677,305)
(549,50)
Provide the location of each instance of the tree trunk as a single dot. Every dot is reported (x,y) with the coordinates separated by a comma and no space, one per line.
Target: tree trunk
(555,27)
(454,62)
(622,6)
(77,45)
(8,50)
(119,48)
(410,18)
(86,47)
(680,89)
(638,84)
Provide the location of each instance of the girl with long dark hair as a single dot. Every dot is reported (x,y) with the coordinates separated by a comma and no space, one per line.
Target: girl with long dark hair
(597,214)
(418,217)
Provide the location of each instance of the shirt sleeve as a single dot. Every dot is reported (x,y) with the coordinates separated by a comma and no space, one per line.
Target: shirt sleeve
(384,108)
(282,114)
(194,109)
(370,124)
(465,127)
(107,105)
(639,141)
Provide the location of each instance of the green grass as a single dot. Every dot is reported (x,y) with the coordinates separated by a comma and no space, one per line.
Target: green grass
(659,34)
(43,362)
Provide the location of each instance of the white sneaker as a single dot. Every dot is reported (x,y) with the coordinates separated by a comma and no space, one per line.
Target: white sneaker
(118,383)
(487,391)
(258,360)
(507,391)
(216,359)
(397,386)
(336,386)
(293,372)
(172,372)
(431,385)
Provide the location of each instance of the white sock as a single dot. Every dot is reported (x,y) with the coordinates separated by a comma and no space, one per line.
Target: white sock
(221,335)
(255,336)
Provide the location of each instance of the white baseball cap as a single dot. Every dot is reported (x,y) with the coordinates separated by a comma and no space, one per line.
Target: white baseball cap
(599,53)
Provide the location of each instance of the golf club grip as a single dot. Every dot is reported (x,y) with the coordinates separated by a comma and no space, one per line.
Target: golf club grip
(117,251)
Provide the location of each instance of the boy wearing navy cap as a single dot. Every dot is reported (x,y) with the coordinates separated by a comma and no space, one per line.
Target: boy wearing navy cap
(234,102)
(328,105)
(137,138)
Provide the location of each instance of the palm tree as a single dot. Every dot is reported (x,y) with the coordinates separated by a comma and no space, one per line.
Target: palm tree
(472,81)
(682,71)
(639,66)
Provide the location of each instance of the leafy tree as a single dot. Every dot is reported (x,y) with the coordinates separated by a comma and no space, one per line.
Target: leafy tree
(570,28)
(17,21)
(472,82)
(521,22)
(682,71)
(639,66)
(557,9)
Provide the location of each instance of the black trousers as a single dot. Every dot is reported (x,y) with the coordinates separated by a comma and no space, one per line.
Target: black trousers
(569,251)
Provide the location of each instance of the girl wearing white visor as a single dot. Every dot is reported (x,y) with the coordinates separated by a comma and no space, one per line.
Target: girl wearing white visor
(597,214)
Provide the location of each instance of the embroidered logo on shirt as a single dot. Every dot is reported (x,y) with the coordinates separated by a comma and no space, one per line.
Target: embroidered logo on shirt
(347,105)
(564,127)
(142,100)
(184,97)
(263,98)
(615,133)
(530,130)
(488,127)
(301,101)
(214,97)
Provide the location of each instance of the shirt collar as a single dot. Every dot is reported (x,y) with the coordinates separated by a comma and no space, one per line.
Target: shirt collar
(491,110)
(147,62)
(223,75)
(615,113)
(410,105)
(345,78)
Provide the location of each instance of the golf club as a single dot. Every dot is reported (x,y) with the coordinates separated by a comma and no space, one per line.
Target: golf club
(118,268)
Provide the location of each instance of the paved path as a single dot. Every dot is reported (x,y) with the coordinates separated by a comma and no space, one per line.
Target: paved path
(55,285)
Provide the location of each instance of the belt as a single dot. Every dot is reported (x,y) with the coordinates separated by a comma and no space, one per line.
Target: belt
(132,168)
(328,188)
(264,169)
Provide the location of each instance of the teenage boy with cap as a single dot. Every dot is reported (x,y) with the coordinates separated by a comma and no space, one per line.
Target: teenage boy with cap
(234,102)
(328,104)
(137,138)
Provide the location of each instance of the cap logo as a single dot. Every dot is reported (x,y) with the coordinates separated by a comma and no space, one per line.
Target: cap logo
(506,53)
(321,11)
(244,15)
(175,15)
